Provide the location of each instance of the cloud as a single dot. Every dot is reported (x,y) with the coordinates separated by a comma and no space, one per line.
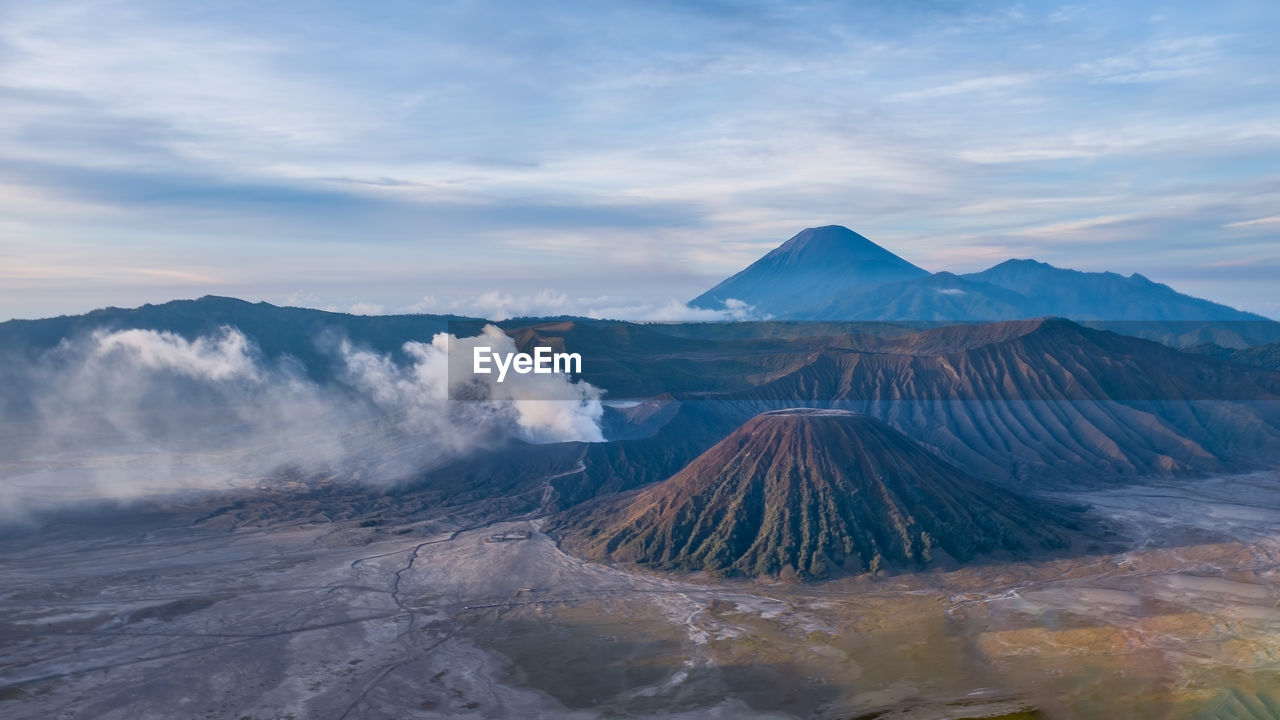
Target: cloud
(982,84)
(543,408)
(1156,61)
(676,311)
(1075,227)
(364,308)
(474,145)
(216,359)
(135,413)
(1269,221)
(498,305)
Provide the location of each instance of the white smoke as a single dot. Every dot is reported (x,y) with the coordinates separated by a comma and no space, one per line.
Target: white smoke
(210,358)
(547,408)
(541,408)
(134,413)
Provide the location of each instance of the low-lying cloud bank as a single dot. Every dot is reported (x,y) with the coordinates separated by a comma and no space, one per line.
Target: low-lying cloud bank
(499,305)
(133,413)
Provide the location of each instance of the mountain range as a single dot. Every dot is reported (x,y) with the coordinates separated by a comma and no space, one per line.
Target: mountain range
(885,417)
(833,273)
(1032,403)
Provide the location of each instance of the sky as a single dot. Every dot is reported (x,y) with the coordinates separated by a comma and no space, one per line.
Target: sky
(621,157)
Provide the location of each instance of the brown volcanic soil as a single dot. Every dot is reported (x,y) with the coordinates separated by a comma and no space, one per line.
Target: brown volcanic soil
(1045,403)
(810,491)
(1048,399)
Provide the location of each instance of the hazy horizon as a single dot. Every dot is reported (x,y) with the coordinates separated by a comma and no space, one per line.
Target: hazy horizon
(498,304)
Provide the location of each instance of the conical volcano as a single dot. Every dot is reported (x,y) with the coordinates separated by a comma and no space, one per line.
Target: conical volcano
(805,272)
(808,491)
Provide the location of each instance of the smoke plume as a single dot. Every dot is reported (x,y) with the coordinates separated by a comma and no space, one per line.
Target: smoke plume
(135,413)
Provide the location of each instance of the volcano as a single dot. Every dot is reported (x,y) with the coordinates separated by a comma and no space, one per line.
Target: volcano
(810,492)
(832,273)
(806,271)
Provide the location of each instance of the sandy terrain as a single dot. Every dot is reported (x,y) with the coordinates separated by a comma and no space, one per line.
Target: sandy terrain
(163,618)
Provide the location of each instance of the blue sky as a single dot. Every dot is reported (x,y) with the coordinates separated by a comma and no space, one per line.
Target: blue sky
(596,156)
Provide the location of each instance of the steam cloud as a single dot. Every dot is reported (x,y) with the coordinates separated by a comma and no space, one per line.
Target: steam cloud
(134,413)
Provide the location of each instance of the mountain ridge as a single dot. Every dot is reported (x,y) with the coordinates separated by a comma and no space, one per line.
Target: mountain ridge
(802,279)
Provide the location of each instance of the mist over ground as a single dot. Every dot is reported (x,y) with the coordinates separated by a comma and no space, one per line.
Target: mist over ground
(125,414)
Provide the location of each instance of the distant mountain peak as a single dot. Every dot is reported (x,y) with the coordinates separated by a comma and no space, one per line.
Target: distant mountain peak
(834,243)
(1021,262)
(808,269)
(1100,296)
(825,240)
(833,273)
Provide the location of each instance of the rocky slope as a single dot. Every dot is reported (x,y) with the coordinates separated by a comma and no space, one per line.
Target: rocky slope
(809,492)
